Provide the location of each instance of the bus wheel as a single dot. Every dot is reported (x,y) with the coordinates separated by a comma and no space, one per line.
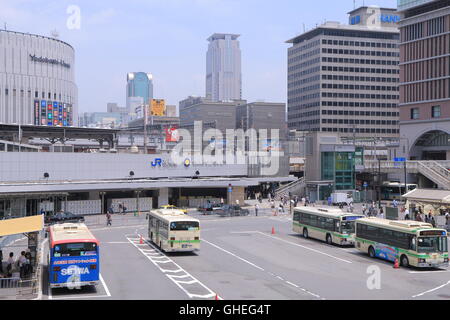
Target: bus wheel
(404,261)
(371,252)
(329,239)
(305,233)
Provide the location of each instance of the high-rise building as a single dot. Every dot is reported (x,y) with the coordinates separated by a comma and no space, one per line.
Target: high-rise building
(344,78)
(425,79)
(139,84)
(223,68)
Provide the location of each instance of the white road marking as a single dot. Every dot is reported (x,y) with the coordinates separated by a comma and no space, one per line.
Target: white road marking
(429,291)
(105,286)
(424,272)
(173,278)
(304,247)
(232,254)
(121,227)
(81,297)
(117,242)
(254,265)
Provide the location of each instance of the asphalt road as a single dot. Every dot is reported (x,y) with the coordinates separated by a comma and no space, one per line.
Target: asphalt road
(240,259)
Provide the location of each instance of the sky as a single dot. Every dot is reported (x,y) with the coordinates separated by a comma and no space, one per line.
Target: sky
(168,39)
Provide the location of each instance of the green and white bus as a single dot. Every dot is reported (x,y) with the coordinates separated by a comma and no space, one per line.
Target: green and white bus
(173,230)
(330,225)
(413,243)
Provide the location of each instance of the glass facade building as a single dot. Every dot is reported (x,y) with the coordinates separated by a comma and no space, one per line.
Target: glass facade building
(339,167)
(139,84)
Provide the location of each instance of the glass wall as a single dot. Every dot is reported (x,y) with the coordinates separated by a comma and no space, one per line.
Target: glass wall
(340,167)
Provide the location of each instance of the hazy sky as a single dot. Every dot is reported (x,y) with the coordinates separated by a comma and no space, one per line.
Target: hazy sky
(168,39)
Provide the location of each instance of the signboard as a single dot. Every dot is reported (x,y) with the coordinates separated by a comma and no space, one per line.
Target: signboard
(172,134)
(158,107)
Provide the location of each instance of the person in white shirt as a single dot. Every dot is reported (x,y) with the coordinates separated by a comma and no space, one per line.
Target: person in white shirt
(22,261)
(406,214)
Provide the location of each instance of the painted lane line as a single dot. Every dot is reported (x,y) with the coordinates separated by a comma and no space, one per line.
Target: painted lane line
(424,272)
(82,297)
(180,277)
(429,291)
(121,227)
(234,255)
(117,242)
(292,284)
(254,265)
(105,286)
(304,247)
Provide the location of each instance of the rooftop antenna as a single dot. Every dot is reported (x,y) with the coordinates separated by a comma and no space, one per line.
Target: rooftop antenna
(304,28)
(54,34)
(5,26)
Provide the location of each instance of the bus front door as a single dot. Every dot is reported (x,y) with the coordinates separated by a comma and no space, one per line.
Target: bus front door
(157,237)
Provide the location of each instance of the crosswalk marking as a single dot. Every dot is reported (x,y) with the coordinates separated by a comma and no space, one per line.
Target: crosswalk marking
(182,279)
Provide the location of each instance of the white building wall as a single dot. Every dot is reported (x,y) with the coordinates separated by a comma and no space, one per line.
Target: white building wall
(23,77)
(223,69)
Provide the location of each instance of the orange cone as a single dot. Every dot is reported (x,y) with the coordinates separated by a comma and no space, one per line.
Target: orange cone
(273,230)
(141,241)
(396,265)
(217,297)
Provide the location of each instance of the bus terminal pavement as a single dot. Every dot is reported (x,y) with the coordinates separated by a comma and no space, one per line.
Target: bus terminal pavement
(243,258)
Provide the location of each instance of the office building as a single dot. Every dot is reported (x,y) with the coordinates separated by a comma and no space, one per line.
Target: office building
(139,85)
(425,79)
(223,68)
(213,114)
(344,78)
(262,115)
(37,80)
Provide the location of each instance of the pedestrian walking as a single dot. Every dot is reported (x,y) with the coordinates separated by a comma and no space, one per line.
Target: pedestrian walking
(10,265)
(108,219)
(394,203)
(364,209)
(256,209)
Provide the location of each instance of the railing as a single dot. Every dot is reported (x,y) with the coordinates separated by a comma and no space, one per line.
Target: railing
(289,186)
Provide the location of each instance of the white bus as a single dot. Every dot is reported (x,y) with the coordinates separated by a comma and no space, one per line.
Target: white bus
(173,230)
(413,243)
(330,225)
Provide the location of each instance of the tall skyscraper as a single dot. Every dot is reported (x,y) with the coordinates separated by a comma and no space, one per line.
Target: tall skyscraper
(344,78)
(223,68)
(139,84)
(425,79)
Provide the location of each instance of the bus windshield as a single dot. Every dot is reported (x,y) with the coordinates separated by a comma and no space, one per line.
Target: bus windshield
(347,227)
(432,244)
(77,249)
(184,226)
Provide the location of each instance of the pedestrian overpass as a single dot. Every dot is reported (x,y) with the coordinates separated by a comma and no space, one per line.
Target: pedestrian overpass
(436,171)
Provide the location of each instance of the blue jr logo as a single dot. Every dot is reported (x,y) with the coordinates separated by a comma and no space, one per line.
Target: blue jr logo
(157,162)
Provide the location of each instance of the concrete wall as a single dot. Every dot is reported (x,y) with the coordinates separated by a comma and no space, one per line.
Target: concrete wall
(21,167)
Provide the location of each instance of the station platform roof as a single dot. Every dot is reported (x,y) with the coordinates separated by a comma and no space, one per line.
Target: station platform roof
(131,185)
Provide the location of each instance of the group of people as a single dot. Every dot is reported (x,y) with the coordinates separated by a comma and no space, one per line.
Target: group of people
(22,265)
(372,210)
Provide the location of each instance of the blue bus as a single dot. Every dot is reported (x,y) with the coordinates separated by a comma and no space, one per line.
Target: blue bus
(74,256)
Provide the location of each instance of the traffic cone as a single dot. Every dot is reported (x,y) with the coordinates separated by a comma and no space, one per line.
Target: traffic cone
(217,297)
(273,230)
(141,241)
(396,265)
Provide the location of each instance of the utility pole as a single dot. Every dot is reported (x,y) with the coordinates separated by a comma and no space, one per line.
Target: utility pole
(145,128)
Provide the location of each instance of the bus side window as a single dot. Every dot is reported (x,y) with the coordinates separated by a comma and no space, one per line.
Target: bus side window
(412,245)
